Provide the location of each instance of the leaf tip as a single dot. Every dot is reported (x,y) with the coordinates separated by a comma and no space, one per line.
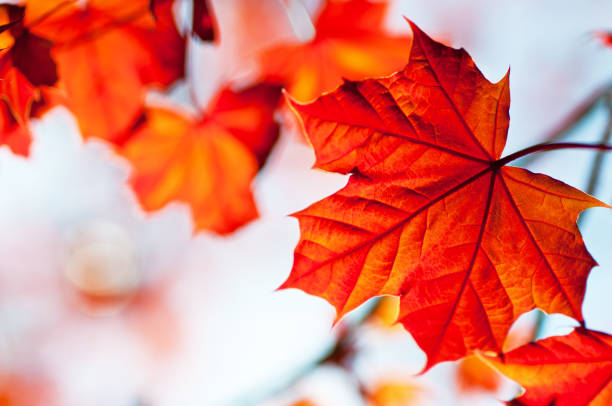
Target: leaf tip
(282,286)
(293,104)
(295,215)
(506,78)
(426,367)
(416,31)
(603,204)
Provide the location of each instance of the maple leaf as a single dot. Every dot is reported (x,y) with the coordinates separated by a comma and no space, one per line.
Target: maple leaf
(108,57)
(205,162)
(248,116)
(25,62)
(563,371)
(12,134)
(431,213)
(350,42)
(16,135)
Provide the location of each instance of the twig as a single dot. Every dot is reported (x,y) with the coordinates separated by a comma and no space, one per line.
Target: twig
(599,157)
(550,147)
(572,119)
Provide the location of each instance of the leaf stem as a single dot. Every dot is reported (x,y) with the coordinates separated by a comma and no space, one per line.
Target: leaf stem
(599,158)
(549,147)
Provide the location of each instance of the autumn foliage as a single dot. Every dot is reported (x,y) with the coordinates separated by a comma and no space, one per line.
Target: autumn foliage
(567,370)
(350,42)
(432,213)
(207,162)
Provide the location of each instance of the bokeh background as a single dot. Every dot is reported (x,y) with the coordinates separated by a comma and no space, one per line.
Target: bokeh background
(103,304)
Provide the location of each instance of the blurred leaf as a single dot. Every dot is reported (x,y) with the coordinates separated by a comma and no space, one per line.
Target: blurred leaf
(16,136)
(394,394)
(304,402)
(108,57)
(25,390)
(208,163)
(605,37)
(25,63)
(386,311)
(475,374)
(350,43)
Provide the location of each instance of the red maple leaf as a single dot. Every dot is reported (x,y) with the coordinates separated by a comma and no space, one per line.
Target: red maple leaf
(208,162)
(25,62)
(12,134)
(350,42)
(563,371)
(108,55)
(431,213)
(16,135)
(248,115)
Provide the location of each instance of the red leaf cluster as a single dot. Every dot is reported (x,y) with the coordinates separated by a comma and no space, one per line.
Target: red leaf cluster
(431,213)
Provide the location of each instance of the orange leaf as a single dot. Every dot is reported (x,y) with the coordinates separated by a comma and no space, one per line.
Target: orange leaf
(563,371)
(303,402)
(16,136)
(26,390)
(431,214)
(386,311)
(394,393)
(350,42)
(25,63)
(475,374)
(248,116)
(204,162)
(107,59)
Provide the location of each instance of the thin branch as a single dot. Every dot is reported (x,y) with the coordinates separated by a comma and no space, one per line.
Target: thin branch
(549,147)
(599,158)
(573,118)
